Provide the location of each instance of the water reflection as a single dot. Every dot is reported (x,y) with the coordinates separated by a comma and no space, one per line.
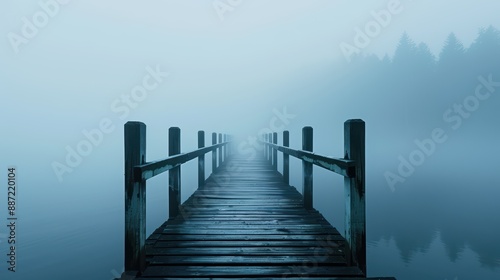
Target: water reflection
(451,203)
(441,223)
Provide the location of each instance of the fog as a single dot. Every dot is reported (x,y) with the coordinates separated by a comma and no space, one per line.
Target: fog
(74,72)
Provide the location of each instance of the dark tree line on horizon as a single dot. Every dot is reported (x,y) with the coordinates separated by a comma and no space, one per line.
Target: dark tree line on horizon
(414,88)
(406,95)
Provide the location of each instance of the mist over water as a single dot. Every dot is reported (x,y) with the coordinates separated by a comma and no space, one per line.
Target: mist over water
(263,66)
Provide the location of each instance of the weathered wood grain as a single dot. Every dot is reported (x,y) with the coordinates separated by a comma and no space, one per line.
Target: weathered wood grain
(246,222)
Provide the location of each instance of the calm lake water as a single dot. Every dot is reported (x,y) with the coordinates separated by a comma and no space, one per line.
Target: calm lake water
(441,223)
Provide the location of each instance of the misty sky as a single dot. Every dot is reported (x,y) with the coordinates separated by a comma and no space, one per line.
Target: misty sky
(69,68)
(231,67)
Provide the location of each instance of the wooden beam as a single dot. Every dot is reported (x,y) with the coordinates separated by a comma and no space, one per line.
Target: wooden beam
(174,174)
(355,216)
(225,147)
(135,198)
(340,166)
(220,150)
(151,169)
(265,146)
(270,152)
(201,159)
(214,152)
(307,168)
(275,152)
(286,158)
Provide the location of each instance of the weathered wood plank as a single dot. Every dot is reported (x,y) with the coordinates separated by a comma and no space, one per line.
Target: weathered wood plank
(275,152)
(250,271)
(174,175)
(246,260)
(221,159)
(135,197)
(250,224)
(245,251)
(244,243)
(216,227)
(354,190)
(214,153)
(278,231)
(286,158)
(307,168)
(269,278)
(201,159)
(149,170)
(252,237)
(255,222)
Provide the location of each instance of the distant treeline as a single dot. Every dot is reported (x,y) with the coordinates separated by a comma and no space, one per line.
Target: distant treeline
(410,94)
(415,89)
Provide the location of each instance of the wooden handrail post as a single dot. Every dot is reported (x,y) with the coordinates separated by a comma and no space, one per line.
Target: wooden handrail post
(221,159)
(355,215)
(270,150)
(201,159)
(265,146)
(135,198)
(225,147)
(307,168)
(174,175)
(286,158)
(214,152)
(275,152)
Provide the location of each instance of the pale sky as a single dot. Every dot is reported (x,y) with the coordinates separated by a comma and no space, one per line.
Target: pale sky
(227,69)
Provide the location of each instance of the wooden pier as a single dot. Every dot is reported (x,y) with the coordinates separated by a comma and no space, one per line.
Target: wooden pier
(245,220)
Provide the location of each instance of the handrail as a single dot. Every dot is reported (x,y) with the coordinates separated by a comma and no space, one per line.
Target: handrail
(137,171)
(352,167)
(341,166)
(151,169)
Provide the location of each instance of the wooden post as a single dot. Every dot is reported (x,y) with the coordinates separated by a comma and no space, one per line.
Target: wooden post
(355,219)
(269,149)
(307,168)
(201,159)
(174,175)
(135,198)
(275,152)
(265,146)
(220,150)
(214,153)
(225,147)
(286,158)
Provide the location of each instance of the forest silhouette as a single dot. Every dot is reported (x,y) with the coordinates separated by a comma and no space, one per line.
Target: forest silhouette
(406,96)
(414,88)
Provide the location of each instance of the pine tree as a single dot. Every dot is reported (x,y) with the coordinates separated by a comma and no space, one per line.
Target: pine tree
(452,55)
(485,51)
(425,59)
(405,51)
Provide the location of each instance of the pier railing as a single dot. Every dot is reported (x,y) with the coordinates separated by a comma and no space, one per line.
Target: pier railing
(137,171)
(351,166)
